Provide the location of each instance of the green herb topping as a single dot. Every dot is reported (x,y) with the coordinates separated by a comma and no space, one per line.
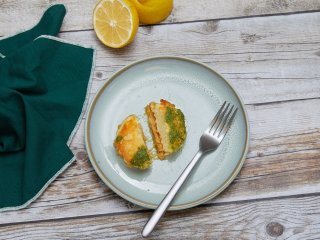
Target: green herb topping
(118,139)
(177,135)
(141,159)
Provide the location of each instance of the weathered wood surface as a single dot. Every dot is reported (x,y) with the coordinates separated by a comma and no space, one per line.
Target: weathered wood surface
(264,66)
(290,218)
(18,15)
(283,158)
(273,62)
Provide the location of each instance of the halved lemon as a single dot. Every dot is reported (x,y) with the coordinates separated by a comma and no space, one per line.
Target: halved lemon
(115,22)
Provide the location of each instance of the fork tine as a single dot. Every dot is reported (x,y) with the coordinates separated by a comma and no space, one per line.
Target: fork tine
(224,121)
(227,125)
(215,117)
(219,120)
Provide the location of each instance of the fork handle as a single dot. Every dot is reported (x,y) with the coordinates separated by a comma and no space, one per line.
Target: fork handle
(165,203)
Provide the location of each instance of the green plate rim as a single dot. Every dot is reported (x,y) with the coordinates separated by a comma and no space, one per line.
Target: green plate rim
(133,199)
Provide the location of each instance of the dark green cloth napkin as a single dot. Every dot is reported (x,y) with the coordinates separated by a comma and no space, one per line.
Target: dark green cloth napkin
(43,85)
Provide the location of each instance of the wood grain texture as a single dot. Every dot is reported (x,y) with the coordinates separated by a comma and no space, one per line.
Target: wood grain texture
(273,62)
(18,15)
(289,218)
(283,160)
(264,66)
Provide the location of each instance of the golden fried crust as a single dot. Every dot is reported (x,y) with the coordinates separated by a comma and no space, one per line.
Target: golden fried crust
(165,103)
(155,135)
(167,126)
(129,139)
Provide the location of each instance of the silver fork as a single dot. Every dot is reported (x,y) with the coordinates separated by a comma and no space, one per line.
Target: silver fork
(209,141)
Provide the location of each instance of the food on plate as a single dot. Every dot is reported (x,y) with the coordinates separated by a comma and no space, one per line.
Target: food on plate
(130,144)
(167,125)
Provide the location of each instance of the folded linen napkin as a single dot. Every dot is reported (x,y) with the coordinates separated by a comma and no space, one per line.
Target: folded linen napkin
(43,85)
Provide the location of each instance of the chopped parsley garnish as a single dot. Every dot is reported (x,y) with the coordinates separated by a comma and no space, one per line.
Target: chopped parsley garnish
(118,139)
(175,119)
(141,158)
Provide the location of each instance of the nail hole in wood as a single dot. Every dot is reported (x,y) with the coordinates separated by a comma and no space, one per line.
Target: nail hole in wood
(274,229)
(99,75)
(82,155)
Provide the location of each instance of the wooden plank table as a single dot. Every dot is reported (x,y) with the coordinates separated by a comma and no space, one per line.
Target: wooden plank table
(270,52)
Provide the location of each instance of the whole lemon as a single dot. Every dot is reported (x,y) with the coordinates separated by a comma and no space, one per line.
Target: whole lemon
(153,11)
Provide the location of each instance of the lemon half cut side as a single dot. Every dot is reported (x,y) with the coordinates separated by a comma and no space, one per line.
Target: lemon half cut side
(115,22)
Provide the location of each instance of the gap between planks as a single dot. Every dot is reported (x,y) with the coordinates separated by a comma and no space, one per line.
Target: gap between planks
(282,218)
(187,22)
(206,205)
(206,20)
(80,12)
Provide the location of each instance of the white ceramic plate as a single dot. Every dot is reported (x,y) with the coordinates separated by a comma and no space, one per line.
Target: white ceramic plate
(199,92)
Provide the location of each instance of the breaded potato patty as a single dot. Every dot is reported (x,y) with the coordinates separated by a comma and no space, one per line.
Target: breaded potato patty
(167,125)
(130,143)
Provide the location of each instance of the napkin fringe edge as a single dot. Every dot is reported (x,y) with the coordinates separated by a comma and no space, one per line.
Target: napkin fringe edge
(85,104)
(58,39)
(83,111)
(86,101)
(41,190)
